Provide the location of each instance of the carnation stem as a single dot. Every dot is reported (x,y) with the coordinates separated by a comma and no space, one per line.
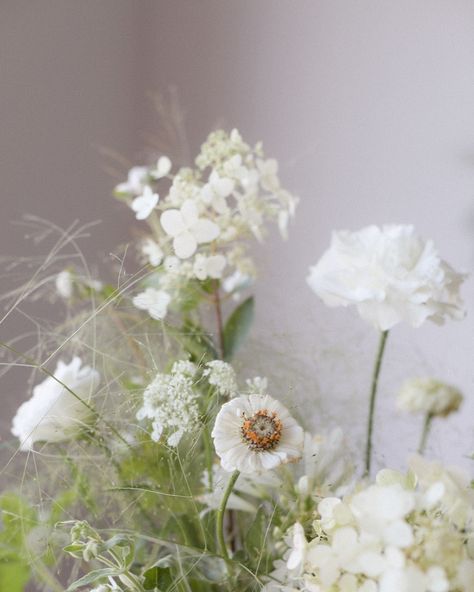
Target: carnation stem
(373,394)
(220,515)
(425,433)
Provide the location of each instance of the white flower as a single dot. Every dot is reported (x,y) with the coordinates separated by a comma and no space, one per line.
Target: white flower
(163,167)
(258,384)
(428,395)
(268,170)
(64,284)
(221,375)
(152,251)
(136,181)
(154,301)
(171,402)
(255,433)
(188,229)
(209,267)
(216,190)
(53,414)
(144,204)
(390,274)
(299,546)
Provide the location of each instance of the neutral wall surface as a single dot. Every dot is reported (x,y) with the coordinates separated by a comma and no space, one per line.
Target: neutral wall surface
(368,107)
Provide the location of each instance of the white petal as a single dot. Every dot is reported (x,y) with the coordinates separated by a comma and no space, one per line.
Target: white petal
(184,245)
(189,212)
(205,230)
(172,222)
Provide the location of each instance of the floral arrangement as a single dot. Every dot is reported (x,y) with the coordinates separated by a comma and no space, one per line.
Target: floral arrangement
(166,470)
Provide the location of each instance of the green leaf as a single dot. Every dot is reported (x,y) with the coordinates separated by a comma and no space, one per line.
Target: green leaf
(14,575)
(195,341)
(158,578)
(237,327)
(92,577)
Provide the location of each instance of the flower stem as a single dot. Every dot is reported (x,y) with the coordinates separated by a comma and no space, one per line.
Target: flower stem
(373,394)
(220,324)
(220,515)
(425,433)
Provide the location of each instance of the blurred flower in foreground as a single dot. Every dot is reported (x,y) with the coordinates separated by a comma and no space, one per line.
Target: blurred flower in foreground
(53,414)
(427,395)
(390,274)
(256,433)
(144,204)
(154,301)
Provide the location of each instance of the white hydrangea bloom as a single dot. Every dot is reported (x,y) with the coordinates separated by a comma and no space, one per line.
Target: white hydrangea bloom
(222,376)
(256,433)
(136,181)
(403,534)
(187,229)
(144,204)
(390,274)
(53,414)
(152,251)
(209,267)
(171,402)
(428,395)
(154,301)
(162,169)
(216,190)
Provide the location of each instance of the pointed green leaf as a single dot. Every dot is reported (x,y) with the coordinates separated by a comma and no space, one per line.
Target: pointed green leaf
(237,327)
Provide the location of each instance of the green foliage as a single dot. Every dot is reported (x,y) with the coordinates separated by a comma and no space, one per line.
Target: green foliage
(237,327)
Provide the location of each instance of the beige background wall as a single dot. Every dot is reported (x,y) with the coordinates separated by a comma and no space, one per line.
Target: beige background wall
(367,105)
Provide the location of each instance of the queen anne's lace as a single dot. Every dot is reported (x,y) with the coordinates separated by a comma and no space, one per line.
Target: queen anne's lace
(171,402)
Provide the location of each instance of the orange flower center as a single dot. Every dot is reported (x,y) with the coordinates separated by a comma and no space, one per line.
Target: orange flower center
(262,431)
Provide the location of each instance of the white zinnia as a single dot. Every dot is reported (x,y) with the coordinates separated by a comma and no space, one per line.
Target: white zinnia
(53,414)
(144,204)
(154,301)
(256,433)
(390,274)
(428,395)
(188,229)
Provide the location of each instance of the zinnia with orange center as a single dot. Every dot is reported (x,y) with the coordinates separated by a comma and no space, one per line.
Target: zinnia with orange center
(255,433)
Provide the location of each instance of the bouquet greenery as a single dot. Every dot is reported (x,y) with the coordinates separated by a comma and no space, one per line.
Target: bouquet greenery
(147,462)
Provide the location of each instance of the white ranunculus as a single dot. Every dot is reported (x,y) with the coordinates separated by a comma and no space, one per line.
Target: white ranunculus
(144,204)
(427,395)
(187,229)
(53,414)
(256,433)
(154,301)
(390,274)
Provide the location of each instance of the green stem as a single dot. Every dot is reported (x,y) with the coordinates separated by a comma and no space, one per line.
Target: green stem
(220,323)
(373,394)
(425,433)
(220,515)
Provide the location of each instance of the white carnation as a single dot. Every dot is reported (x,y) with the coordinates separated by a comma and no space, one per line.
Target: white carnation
(53,414)
(390,274)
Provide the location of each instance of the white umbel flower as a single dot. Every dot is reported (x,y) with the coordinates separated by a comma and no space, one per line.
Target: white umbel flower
(427,395)
(144,204)
(188,229)
(256,433)
(53,414)
(154,301)
(390,274)
(221,375)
